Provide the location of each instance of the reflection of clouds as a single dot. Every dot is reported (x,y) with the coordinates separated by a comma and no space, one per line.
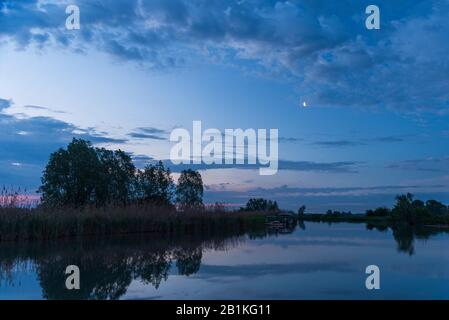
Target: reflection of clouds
(257,270)
(322,261)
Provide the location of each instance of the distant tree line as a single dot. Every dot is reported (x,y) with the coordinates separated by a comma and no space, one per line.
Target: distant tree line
(81,175)
(261,205)
(406,209)
(338,213)
(412,210)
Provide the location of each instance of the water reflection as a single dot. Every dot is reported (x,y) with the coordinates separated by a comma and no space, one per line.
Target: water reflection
(109,265)
(405,235)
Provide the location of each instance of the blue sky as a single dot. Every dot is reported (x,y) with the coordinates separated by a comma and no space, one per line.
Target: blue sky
(376,121)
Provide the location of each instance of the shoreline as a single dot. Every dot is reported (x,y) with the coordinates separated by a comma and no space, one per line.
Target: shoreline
(361,218)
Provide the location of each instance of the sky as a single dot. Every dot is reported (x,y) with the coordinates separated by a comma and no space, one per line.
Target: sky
(375,122)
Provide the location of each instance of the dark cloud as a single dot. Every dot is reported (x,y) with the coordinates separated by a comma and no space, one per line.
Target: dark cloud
(433,164)
(362,142)
(323,45)
(27,142)
(337,143)
(290,139)
(43,109)
(149,133)
(4,104)
(331,167)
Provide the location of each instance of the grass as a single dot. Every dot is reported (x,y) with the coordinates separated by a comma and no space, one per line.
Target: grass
(46,224)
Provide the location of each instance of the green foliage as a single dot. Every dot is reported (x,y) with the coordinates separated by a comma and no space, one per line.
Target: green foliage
(301,210)
(189,192)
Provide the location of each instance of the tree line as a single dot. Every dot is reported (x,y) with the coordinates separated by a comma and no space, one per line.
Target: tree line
(81,175)
(411,210)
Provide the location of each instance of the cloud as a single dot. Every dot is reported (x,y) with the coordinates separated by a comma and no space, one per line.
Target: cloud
(4,104)
(362,142)
(390,139)
(330,167)
(432,164)
(27,142)
(290,139)
(324,47)
(43,109)
(149,133)
(141,160)
(337,143)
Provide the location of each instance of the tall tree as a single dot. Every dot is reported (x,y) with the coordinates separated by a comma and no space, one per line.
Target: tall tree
(155,184)
(189,191)
(71,176)
(117,184)
(82,175)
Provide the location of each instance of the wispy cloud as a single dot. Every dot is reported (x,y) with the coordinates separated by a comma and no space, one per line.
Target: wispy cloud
(290,165)
(363,141)
(44,109)
(149,133)
(337,143)
(290,139)
(431,164)
(26,143)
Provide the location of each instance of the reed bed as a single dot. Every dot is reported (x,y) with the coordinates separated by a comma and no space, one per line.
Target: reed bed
(45,224)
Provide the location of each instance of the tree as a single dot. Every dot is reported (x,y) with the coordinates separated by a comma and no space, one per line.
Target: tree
(83,175)
(189,191)
(71,176)
(403,207)
(409,210)
(301,210)
(117,182)
(155,184)
(379,212)
(261,204)
(436,207)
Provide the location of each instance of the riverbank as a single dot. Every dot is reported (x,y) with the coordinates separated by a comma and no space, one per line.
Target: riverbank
(436,221)
(42,224)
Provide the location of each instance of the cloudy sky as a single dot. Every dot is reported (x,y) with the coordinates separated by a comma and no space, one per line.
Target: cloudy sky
(377,101)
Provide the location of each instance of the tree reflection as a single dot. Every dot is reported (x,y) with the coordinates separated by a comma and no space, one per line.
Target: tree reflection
(188,261)
(108,266)
(405,234)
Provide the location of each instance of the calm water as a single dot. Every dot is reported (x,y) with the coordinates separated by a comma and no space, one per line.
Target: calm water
(311,261)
